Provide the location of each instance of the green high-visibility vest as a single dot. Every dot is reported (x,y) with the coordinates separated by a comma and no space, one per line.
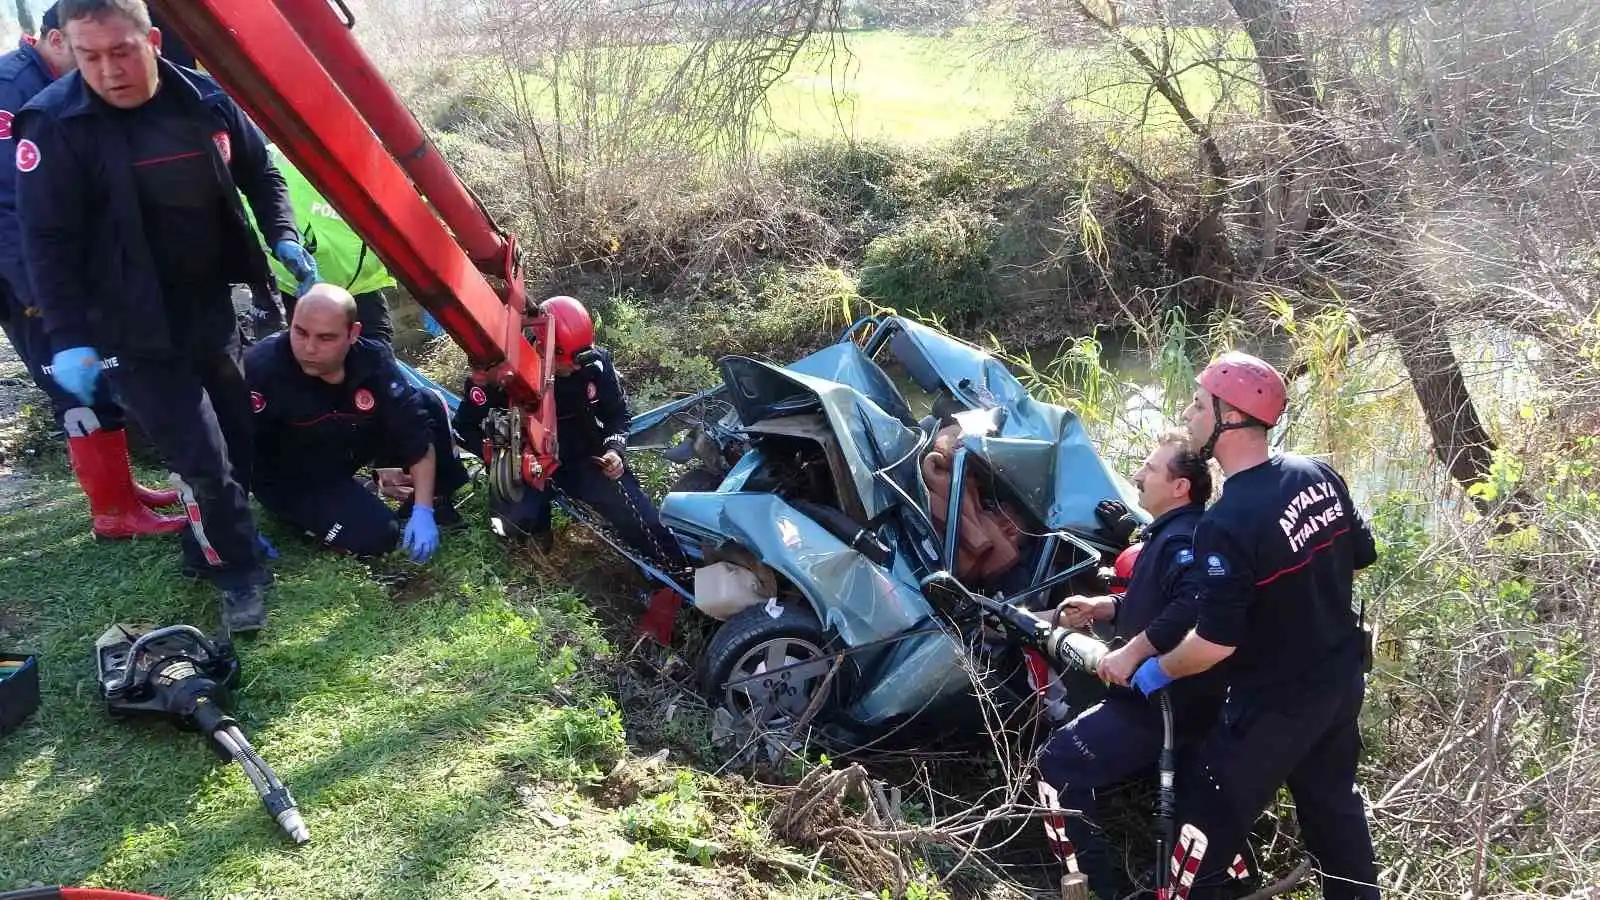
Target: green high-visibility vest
(343,258)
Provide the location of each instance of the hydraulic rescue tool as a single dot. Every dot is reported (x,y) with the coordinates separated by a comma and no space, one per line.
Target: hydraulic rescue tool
(178,674)
(1073,651)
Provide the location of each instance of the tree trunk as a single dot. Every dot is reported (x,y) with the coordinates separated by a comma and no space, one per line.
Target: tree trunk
(1285,69)
(1335,185)
(1460,440)
(24,17)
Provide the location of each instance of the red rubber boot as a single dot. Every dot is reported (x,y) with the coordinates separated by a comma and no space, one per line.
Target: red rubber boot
(118,442)
(100,460)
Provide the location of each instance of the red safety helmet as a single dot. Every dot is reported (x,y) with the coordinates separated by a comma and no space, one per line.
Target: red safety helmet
(574,328)
(1247,384)
(1122,569)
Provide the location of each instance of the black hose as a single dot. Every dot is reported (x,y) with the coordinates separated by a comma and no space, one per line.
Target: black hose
(841,526)
(1166,796)
(250,753)
(222,737)
(274,795)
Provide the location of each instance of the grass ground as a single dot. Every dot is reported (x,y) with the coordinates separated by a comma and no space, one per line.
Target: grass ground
(446,730)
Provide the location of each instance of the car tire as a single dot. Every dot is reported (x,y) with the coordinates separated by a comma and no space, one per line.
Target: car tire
(771,636)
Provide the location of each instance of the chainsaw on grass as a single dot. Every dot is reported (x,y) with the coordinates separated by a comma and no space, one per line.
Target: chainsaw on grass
(178,674)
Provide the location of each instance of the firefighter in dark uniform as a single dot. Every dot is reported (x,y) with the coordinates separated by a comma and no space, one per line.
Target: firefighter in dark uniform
(119,507)
(1121,736)
(328,403)
(591,435)
(134,232)
(1276,557)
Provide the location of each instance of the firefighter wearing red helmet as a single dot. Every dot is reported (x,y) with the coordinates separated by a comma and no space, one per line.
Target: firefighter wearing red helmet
(591,435)
(1121,736)
(574,331)
(1276,556)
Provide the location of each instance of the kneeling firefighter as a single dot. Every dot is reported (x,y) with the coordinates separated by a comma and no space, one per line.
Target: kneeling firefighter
(592,430)
(1122,736)
(328,402)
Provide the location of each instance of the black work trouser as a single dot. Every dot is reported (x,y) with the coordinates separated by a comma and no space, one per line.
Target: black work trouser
(27,336)
(195,409)
(1312,744)
(1107,743)
(343,515)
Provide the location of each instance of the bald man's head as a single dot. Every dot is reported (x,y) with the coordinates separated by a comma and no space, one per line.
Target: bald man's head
(324,327)
(328,297)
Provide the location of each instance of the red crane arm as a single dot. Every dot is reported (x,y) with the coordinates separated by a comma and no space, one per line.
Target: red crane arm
(295,67)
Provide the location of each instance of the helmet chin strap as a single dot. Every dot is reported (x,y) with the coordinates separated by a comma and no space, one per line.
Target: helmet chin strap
(1218,427)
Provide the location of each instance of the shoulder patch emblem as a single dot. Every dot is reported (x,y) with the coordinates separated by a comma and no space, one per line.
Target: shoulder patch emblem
(477,396)
(365,401)
(594,392)
(28,156)
(5,124)
(257,402)
(224,146)
(1185,556)
(1216,566)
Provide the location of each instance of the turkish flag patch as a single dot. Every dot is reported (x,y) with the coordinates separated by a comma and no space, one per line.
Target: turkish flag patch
(257,402)
(364,400)
(28,157)
(5,124)
(224,146)
(479,398)
(594,392)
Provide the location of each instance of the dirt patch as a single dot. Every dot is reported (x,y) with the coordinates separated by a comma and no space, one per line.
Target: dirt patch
(16,392)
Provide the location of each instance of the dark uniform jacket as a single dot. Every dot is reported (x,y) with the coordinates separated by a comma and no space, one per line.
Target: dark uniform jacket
(1161,600)
(23,74)
(92,263)
(310,432)
(1276,556)
(591,411)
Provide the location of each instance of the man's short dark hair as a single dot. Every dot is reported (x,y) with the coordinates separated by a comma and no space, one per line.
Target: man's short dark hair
(137,10)
(51,20)
(1186,463)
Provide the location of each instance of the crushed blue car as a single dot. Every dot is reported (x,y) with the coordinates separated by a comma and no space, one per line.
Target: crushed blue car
(808,517)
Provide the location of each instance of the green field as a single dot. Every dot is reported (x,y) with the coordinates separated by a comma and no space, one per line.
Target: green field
(884,85)
(914,88)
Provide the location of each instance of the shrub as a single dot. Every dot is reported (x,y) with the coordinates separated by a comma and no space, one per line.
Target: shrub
(938,266)
(646,352)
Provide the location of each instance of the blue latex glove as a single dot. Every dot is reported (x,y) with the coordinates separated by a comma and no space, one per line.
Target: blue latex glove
(422,535)
(431,325)
(299,263)
(267,549)
(76,369)
(1151,677)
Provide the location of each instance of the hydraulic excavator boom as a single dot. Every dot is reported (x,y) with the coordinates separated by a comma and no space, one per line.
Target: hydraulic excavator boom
(295,67)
